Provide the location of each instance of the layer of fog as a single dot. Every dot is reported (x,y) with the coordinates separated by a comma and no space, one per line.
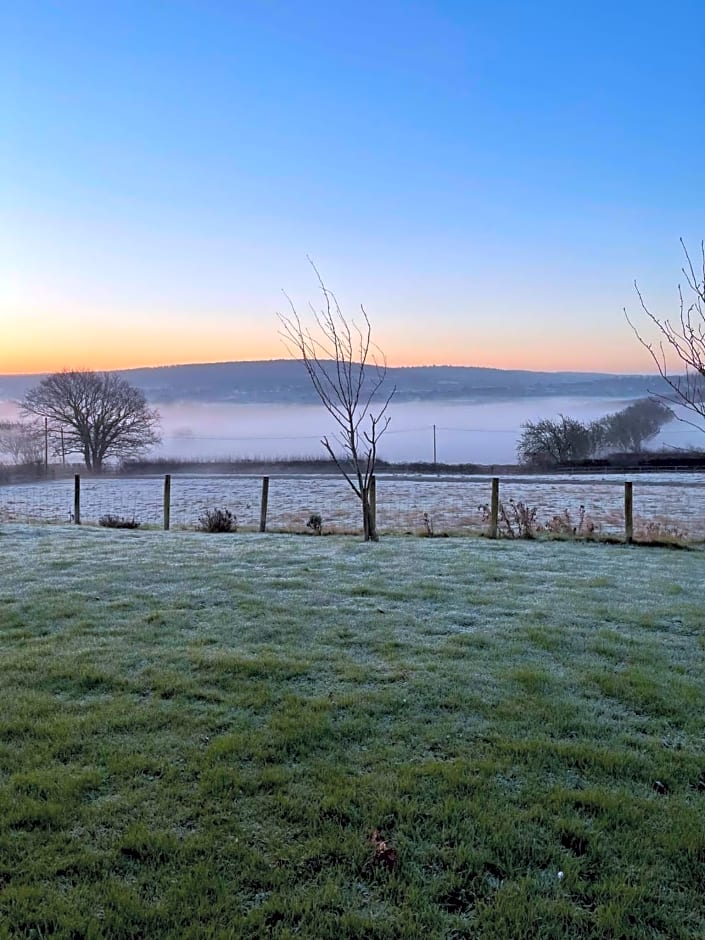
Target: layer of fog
(465,432)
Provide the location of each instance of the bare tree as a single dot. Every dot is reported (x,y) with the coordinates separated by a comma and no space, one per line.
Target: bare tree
(22,442)
(684,339)
(101,415)
(348,373)
(546,443)
(630,428)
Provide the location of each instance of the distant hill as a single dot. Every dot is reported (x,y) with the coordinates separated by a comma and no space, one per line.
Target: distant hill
(285,380)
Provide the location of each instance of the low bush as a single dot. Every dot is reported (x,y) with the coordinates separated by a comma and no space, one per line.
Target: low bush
(109,521)
(429,531)
(580,526)
(661,532)
(515,519)
(217,520)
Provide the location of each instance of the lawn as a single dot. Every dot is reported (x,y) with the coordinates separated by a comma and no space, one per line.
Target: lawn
(283,736)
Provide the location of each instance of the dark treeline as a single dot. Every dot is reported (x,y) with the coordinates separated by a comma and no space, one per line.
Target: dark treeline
(548,443)
(644,462)
(285,381)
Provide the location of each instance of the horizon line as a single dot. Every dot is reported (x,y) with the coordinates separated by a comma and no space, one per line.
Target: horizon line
(225,362)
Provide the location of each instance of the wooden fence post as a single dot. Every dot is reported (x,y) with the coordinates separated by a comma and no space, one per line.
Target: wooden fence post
(373,502)
(494,508)
(263,506)
(628,513)
(167,501)
(77,499)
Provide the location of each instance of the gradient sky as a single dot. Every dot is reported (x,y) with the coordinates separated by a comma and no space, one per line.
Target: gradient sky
(487,178)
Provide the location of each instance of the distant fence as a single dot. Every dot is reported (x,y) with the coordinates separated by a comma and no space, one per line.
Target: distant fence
(665,507)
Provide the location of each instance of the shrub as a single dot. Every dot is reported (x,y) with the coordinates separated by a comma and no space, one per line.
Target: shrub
(109,521)
(217,520)
(564,524)
(515,520)
(429,529)
(315,523)
(661,532)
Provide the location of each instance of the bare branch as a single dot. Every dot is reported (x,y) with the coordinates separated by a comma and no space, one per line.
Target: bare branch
(684,340)
(347,371)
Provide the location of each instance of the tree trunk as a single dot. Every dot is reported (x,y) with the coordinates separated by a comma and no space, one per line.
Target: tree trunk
(369,523)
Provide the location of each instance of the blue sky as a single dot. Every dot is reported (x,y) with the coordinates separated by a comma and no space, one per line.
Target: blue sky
(487,178)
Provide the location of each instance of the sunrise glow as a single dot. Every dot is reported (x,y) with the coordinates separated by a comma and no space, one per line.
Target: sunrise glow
(42,346)
(473,178)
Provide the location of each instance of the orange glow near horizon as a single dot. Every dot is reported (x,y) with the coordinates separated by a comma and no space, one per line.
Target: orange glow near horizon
(81,356)
(112,350)
(38,346)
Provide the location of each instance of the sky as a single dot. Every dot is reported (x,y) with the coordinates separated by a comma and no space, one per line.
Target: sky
(487,178)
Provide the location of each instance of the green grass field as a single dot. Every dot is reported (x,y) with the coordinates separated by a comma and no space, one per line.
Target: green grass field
(199,735)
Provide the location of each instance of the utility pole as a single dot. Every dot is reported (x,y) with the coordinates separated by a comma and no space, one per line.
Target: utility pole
(46,447)
(434,445)
(63,448)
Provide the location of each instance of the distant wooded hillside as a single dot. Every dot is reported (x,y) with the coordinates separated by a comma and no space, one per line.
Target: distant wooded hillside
(285,380)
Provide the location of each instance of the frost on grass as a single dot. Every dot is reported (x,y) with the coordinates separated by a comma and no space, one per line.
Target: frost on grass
(222,709)
(439,578)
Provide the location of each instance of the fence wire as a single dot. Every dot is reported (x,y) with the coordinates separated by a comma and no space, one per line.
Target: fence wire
(667,506)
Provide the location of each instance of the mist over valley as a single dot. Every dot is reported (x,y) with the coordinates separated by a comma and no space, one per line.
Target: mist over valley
(269,409)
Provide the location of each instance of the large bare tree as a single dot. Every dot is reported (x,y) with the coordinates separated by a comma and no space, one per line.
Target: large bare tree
(682,340)
(348,372)
(101,415)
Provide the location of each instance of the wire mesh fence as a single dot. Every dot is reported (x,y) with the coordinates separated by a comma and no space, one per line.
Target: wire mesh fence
(665,506)
(670,507)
